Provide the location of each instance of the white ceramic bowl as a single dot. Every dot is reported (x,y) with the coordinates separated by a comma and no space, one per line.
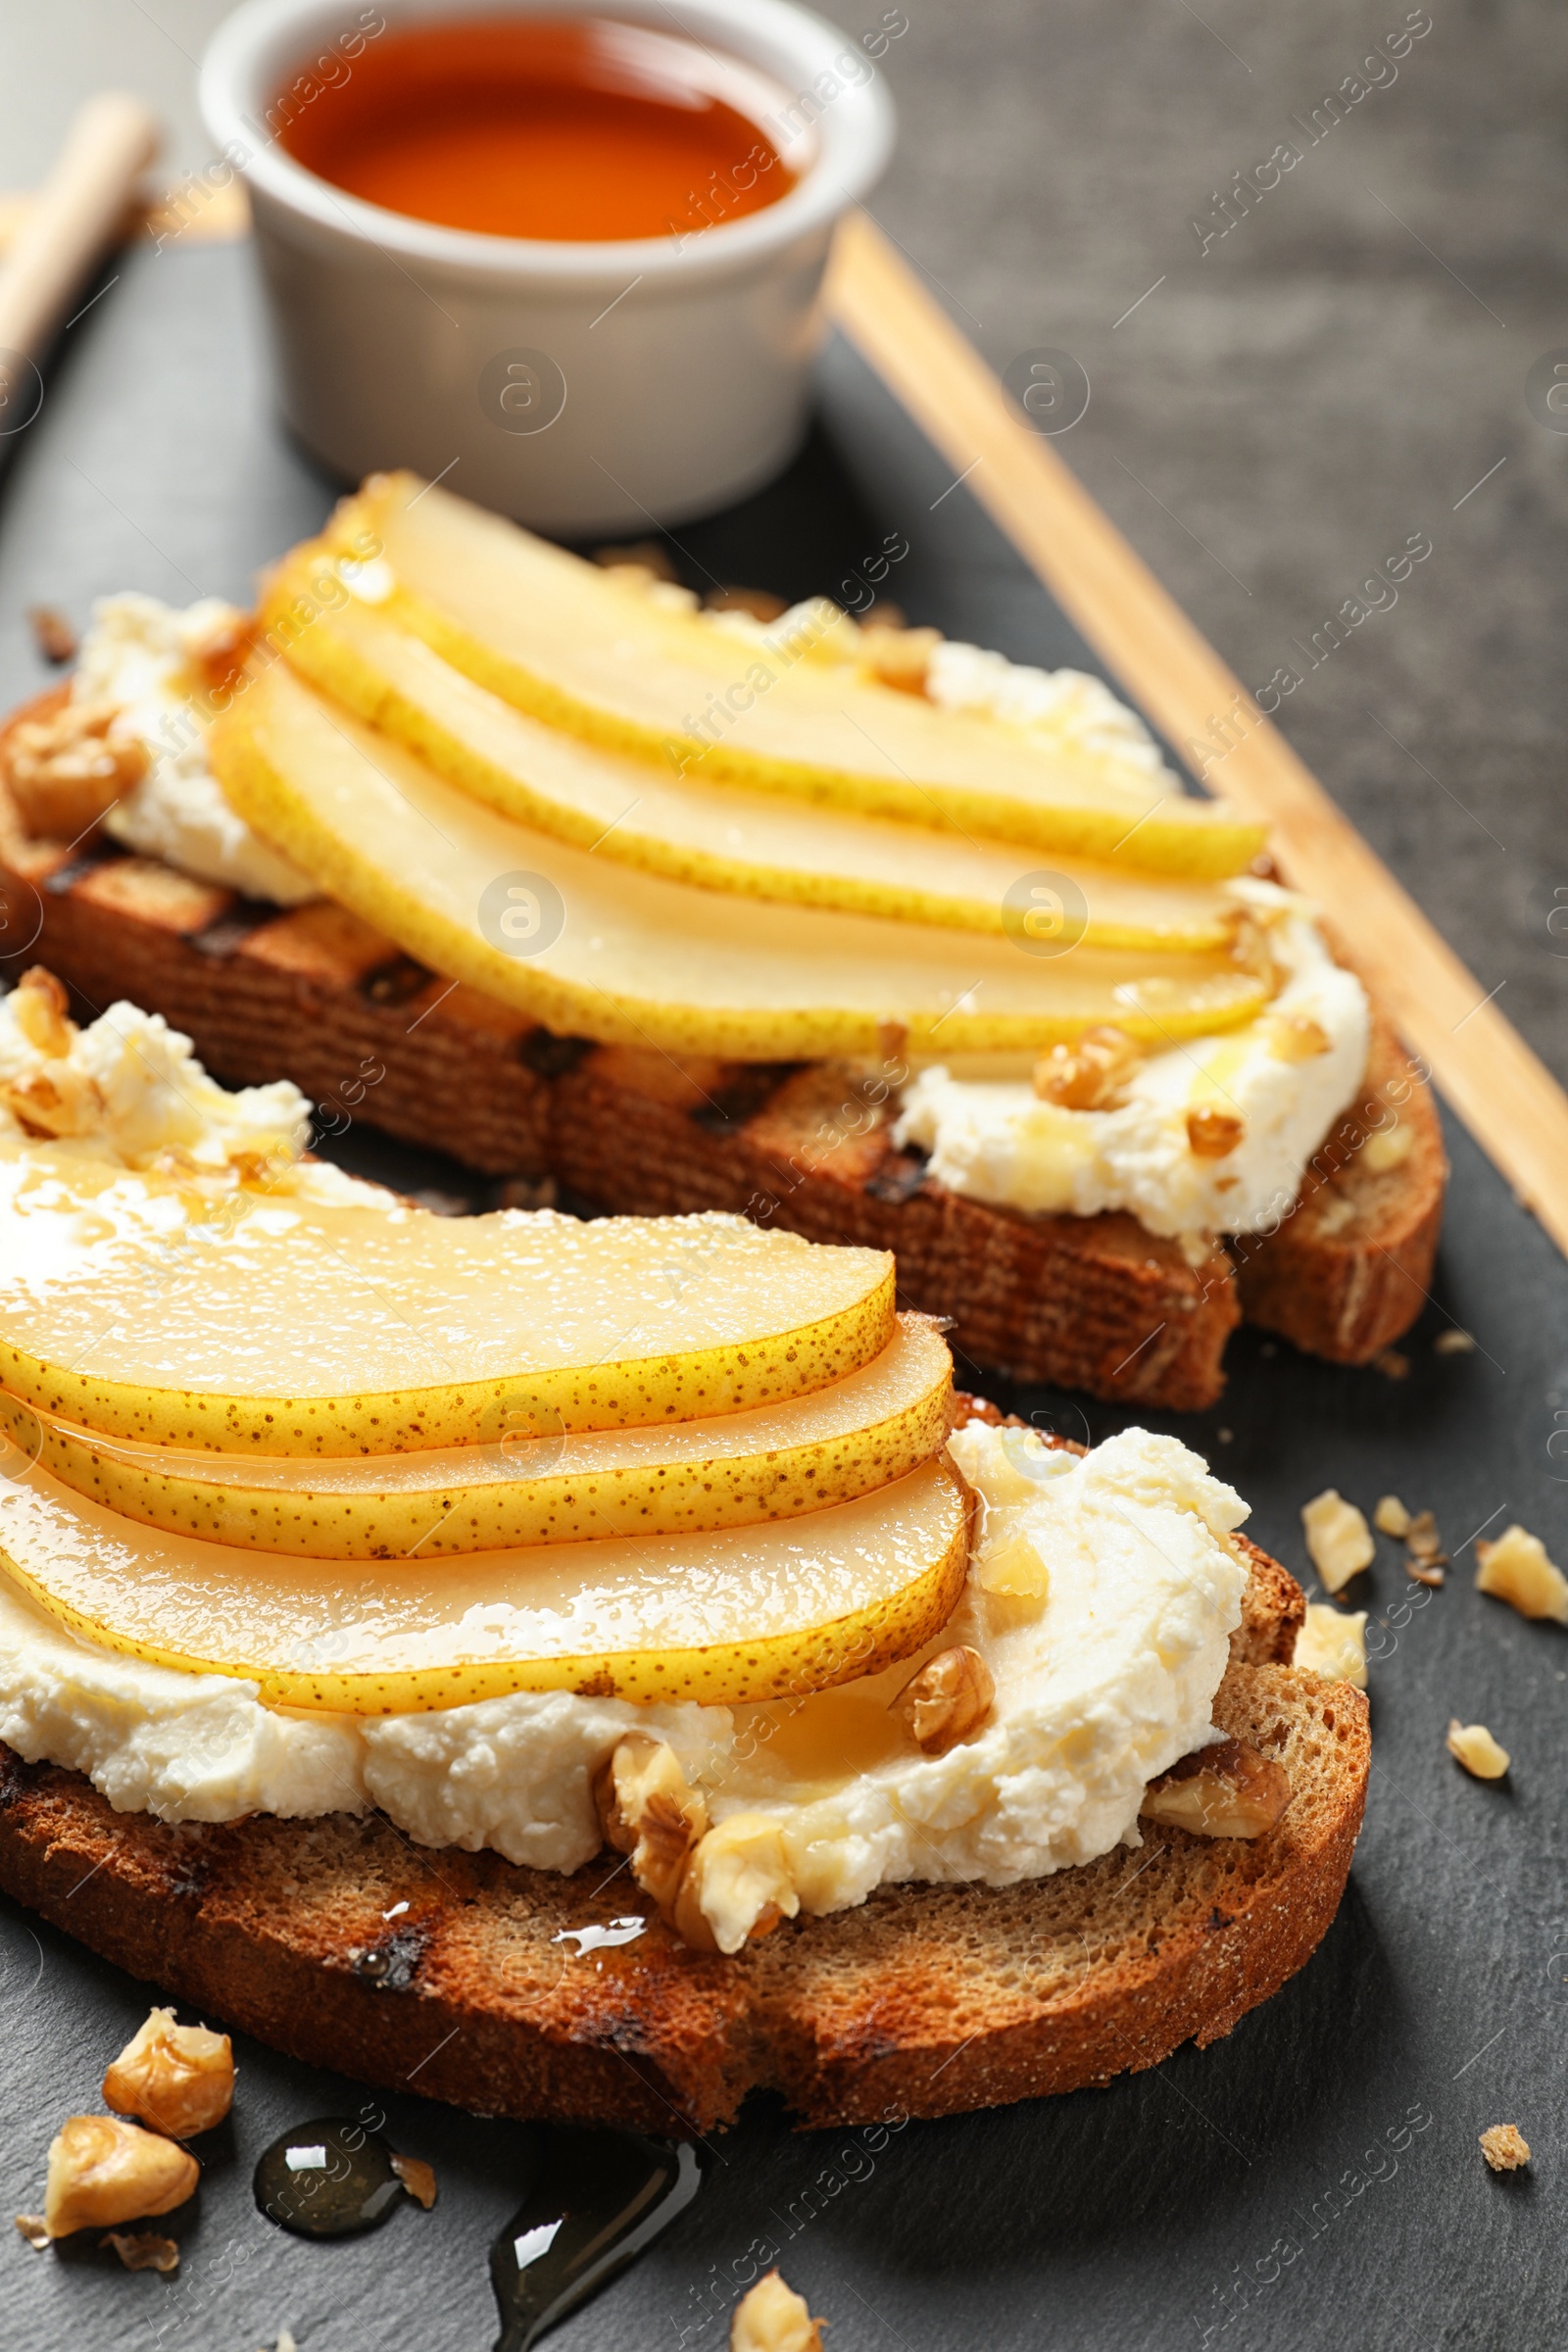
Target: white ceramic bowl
(498,361)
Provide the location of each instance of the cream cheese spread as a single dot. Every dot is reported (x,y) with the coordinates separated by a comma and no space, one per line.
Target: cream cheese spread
(1104,1678)
(1283,1078)
(128,1088)
(138,655)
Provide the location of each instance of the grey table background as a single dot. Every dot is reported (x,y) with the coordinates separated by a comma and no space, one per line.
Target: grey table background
(1282,411)
(1270,406)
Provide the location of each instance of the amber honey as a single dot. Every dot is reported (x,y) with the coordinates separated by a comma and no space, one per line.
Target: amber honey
(573,130)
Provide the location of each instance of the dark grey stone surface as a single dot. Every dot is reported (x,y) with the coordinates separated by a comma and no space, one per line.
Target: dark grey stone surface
(1314,2181)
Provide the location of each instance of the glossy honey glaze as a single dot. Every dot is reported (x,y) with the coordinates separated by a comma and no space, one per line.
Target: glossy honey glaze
(576,130)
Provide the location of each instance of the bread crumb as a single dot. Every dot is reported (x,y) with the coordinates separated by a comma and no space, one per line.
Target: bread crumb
(1455,1343)
(1392,1364)
(1337,1539)
(1332,1643)
(1390,1517)
(774,2318)
(1516,1569)
(1473,1746)
(1504,2147)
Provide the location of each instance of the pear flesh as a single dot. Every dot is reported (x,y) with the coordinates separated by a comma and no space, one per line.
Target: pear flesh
(723,1618)
(720,837)
(766,1464)
(594,948)
(564,641)
(141,1306)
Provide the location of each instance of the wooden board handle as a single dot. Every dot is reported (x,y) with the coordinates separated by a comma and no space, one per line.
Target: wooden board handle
(74,219)
(1505,1096)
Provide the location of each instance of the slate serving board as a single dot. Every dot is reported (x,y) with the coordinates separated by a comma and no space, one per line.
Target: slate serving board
(1314,2178)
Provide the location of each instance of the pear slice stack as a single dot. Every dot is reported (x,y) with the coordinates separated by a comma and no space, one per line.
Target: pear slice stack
(534,1486)
(564,641)
(751,843)
(375,1460)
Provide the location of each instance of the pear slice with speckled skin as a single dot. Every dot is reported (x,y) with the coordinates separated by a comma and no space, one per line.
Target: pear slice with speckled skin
(770,1462)
(256,1321)
(758,845)
(739,1614)
(562,639)
(596,949)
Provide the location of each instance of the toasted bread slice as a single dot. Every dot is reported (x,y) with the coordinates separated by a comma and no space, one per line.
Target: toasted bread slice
(485,1990)
(1088,1303)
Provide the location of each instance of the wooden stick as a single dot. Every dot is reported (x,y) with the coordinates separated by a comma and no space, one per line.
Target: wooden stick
(71,224)
(1508,1099)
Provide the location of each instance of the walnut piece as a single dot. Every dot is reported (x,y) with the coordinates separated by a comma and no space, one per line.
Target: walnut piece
(1516,1569)
(65,772)
(1228,1791)
(1455,1343)
(52,633)
(1015,1569)
(1332,1643)
(648,556)
(950,1696)
(1504,2147)
(646,1809)
(1390,1517)
(418,2178)
(34,2228)
(1295,1037)
(736,1885)
(1213,1134)
(897,657)
(1476,1749)
(1091,1074)
(1337,1539)
(179,2079)
(42,1010)
(760,603)
(1386,1148)
(103,2170)
(140,2250)
(774,2318)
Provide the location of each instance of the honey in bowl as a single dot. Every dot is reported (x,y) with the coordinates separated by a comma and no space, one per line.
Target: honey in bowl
(572,129)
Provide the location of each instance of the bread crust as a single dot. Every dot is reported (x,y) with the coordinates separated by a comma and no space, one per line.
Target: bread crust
(926,2000)
(1087,1303)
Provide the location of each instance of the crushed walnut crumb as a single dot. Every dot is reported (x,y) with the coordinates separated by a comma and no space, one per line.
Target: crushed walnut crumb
(1339,1539)
(140,2250)
(1515,1569)
(1471,1745)
(1504,2147)
(52,633)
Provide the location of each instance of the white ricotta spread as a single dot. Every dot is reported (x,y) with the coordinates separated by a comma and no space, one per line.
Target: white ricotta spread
(1101,1682)
(138,655)
(997,1141)
(128,1088)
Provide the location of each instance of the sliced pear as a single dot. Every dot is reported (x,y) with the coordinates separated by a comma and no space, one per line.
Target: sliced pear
(743,1613)
(634,959)
(720,837)
(770,1462)
(141,1308)
(562,639)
